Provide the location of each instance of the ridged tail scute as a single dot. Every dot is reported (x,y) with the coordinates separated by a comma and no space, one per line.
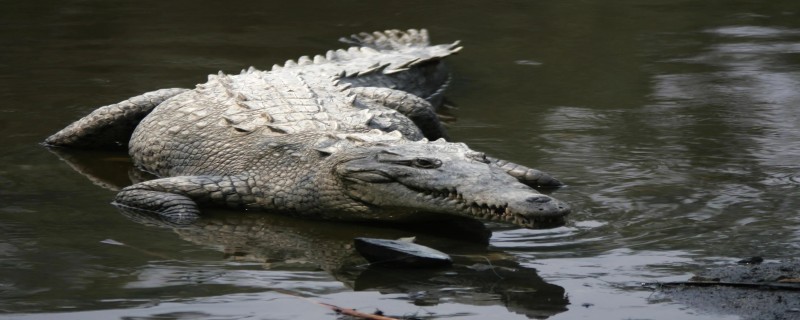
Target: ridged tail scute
(390,39)
(394,40)
(401,60)
(390,51)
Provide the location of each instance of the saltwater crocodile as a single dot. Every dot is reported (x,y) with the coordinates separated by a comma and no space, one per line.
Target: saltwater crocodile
(341,136)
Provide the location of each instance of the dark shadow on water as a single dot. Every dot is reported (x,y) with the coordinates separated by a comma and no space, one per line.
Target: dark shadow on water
(107,169)
(501,282)
(478,276)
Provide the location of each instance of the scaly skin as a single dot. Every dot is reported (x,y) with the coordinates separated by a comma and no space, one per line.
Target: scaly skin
(372,176)
(110,127)
(337,137)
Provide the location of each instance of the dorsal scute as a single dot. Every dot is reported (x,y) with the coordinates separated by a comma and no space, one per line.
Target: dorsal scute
(304,61)
(249,70)
(332,143)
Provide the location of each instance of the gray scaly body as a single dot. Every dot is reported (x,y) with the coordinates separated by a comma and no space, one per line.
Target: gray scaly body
(341,136)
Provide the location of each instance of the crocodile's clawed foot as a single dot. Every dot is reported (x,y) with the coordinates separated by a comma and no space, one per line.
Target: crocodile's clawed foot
(156,219)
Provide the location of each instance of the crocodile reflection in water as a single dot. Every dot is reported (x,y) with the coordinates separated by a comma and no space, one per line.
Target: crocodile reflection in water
(282,242)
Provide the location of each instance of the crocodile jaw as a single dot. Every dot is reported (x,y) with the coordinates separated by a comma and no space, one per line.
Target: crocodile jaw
(524,208)
(396,181)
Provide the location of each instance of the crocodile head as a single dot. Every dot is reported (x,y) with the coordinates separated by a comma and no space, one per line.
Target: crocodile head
(394,180)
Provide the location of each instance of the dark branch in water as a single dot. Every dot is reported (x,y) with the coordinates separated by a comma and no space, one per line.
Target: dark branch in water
(340,310)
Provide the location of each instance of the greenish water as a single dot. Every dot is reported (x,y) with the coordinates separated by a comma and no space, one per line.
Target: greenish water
(675,123)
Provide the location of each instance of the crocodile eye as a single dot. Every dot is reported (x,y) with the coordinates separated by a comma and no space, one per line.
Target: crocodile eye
(426,163)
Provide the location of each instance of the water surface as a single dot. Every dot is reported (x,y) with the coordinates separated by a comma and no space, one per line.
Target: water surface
(675,124)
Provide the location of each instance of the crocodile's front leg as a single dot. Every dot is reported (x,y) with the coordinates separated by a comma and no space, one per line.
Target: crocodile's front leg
(531,177)
(175,199)
(415,108)
(111,126)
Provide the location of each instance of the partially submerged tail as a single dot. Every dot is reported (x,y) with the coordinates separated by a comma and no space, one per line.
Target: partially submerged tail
(111,126)
(391,50)
(389,39)
(401,60)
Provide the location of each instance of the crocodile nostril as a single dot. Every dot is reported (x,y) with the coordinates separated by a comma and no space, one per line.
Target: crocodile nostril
(539,199)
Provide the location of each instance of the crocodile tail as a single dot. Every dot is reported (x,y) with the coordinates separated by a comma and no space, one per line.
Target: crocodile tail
(111,126)
(402,60)
(406,48)
(390,39)
(413,44)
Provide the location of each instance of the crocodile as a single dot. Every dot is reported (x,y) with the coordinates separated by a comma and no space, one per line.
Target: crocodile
(349,135)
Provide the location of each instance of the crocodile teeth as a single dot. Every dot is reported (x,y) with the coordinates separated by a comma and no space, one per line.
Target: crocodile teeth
(452,197)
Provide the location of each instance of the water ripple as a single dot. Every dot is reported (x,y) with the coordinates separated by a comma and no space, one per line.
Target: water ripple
(795,178)
(752,32)
(554,242)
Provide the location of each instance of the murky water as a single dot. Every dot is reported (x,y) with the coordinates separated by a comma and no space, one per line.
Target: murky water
(675,123)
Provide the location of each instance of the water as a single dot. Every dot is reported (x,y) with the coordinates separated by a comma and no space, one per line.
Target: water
(675,124)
